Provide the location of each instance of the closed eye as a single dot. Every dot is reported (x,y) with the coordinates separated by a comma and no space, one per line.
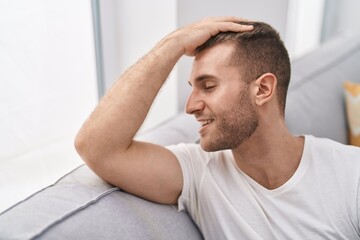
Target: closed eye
(209,87)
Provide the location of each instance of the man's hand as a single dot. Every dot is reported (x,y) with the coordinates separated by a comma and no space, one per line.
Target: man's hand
(194,35)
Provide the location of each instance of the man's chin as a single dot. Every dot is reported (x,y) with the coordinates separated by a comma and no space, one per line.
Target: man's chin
(211,146)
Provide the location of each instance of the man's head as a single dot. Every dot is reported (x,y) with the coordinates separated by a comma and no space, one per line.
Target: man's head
(257,52)
(225,71)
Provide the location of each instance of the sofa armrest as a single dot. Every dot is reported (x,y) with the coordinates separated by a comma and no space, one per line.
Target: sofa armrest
(82,206)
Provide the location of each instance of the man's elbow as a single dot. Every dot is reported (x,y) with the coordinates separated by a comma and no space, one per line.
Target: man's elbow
(82,146)
(93,151)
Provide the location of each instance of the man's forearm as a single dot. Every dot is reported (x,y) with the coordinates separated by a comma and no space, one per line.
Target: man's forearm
(123,109)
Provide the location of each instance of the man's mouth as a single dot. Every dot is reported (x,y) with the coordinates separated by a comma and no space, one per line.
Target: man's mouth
(205,122)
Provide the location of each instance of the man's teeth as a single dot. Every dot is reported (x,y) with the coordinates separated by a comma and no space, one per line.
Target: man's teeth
(203,123)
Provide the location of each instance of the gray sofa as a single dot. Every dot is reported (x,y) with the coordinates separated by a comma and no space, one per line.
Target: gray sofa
(82,206)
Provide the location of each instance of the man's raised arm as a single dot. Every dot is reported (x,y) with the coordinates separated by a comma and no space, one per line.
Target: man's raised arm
(105,141)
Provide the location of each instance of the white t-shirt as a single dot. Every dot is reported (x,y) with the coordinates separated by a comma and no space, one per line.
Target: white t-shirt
(320,201)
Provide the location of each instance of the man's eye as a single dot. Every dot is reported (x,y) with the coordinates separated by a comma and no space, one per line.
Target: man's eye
(209,87)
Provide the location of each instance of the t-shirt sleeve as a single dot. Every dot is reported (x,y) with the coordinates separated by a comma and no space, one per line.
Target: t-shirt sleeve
(192,160)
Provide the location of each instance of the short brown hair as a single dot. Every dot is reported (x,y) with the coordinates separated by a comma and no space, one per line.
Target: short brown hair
(258,52)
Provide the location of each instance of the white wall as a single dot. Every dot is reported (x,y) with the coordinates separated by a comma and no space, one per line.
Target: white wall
(48,87)
(129,30)
(341,17)
(304,26)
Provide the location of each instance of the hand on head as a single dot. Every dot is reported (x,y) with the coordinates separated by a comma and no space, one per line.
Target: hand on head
(194,35)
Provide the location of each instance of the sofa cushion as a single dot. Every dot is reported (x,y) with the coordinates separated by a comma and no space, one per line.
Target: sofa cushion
(315,102)
(82,206)
(183,128)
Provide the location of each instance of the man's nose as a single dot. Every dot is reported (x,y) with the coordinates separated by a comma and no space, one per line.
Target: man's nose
(194,104)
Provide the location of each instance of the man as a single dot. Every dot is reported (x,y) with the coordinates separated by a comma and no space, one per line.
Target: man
(249,178)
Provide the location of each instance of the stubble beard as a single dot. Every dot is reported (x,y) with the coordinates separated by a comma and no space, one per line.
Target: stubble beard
(233,126)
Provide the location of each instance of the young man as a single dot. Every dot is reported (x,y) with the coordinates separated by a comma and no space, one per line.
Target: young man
(249,178)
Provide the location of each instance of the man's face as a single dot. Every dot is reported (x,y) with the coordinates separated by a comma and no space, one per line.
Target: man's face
(220,100)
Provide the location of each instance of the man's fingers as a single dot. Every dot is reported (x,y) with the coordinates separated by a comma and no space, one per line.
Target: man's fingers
(225,19)
(233,27)
(227,24)
(196,34)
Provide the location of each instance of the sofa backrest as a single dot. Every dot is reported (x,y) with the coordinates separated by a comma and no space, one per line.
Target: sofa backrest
(315,103)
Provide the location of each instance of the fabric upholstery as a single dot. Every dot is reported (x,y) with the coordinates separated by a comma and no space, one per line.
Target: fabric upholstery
(83,206)
(181,128)
(315,102)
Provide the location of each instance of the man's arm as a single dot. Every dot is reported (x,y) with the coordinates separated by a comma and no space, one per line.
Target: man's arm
(105,141)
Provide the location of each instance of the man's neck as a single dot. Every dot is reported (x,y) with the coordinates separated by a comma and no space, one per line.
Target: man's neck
(270,159)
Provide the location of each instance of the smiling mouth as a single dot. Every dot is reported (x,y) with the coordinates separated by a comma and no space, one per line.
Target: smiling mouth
(205,122)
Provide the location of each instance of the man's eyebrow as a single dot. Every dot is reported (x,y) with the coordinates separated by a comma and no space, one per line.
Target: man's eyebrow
(201,78)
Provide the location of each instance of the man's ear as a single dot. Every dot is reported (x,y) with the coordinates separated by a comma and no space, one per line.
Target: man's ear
(265,88)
